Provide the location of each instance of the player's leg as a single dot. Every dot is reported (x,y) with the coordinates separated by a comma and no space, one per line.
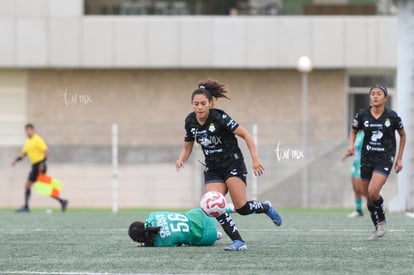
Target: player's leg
(27,188)
(358,194)
(228,225)
(356,186)
(226,221)
(366,175)
(237,188)
(377,202)
(27,194)
(63,202)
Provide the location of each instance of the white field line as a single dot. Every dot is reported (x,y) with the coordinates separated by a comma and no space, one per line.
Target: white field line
(331,230)
(25,272)
(105,230)
(65,273)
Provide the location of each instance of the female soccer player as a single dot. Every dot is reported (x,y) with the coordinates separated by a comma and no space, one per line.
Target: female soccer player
(356,175)
(225,170)
(378,151)
(192,228)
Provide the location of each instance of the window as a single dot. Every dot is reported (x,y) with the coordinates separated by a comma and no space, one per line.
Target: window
(359,85)
(163,7)
(240,7)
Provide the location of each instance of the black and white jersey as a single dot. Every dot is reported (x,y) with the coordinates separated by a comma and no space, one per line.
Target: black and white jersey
(216,137)
(379,141)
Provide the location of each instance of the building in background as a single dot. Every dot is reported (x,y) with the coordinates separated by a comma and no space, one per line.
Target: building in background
(73,68)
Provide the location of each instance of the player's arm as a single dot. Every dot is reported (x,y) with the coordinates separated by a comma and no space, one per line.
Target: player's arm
(351,148)
(18,158)
(244,134)
(398,161)
(184,155)
(349,152)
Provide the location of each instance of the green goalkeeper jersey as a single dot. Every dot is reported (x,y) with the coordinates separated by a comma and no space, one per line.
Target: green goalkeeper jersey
(190,228)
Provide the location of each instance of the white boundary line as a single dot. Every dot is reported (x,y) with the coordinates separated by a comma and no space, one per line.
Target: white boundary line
(409,214)
(24,272)
(66,273)
(281,230)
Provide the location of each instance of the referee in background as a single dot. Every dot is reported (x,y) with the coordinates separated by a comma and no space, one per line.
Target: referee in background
(34,147)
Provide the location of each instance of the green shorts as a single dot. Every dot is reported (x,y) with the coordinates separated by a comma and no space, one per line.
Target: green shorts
(203,228)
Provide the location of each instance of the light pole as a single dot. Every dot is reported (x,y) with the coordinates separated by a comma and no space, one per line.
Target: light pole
(405,99)
(304,66)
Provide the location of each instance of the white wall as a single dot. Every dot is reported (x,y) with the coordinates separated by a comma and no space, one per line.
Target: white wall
(55,33)
(12,107)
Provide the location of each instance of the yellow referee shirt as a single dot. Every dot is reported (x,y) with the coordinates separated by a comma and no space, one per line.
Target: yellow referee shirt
(35,148)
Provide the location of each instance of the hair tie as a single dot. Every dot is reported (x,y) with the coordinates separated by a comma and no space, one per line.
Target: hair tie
(202,87)
(381,87)
(384,89)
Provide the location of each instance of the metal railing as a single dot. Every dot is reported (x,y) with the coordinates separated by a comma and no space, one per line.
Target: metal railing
(237,7)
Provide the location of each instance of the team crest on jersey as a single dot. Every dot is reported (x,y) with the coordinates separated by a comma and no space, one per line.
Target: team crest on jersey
(211,128)
(387,122)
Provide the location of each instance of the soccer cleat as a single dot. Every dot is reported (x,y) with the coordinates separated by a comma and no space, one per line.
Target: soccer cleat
(64,205)
(219,235)
(23,210)
(237,245)
(373,236)
(380,229)
(356,214)
(273,214)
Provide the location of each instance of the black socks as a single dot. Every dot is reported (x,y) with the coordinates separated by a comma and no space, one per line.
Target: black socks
(27,198)
(229,226)
(253,207)
(377,211)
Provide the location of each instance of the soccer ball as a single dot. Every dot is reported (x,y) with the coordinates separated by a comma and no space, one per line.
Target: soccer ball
(213,204)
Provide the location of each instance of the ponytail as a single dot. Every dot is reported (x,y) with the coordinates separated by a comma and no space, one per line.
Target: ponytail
(211,88)
(143,235)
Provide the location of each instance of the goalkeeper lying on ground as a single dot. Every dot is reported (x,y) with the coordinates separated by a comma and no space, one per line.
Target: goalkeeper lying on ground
(164,228)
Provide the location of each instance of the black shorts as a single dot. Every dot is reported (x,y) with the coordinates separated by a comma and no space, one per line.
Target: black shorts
(236,169)
(381,167)
(35,170)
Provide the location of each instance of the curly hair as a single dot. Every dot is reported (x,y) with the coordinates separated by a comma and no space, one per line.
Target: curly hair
(210,88)
(144,236)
